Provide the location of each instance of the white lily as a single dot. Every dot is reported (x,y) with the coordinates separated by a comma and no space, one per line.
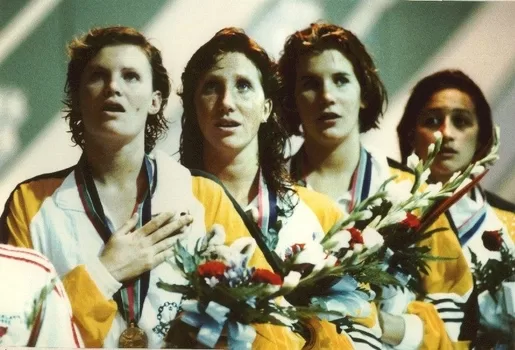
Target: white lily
(312,253)
(338,241)
(399,192)
(372,239)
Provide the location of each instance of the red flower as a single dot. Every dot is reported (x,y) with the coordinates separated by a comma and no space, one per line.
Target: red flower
(297,247)
(492,240)
(411,221)
(355,236)
(211,268)
(3,330)
(266,276)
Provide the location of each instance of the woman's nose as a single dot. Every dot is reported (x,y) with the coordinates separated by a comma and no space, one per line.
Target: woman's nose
(447,128)
(227,101)
(112,86)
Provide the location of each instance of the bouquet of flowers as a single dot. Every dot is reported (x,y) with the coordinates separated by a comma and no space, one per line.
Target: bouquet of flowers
(334,273)
(224,291)
(401,213)
(491,274)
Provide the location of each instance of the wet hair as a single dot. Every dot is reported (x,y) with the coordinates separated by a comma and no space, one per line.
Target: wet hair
(315,39)
(424,91)
(82,49)
(272,136)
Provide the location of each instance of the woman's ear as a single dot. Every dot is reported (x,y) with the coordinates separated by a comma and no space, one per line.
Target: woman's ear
(157,100)
(267,110)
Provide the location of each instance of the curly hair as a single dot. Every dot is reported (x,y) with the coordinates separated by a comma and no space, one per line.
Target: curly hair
(82,49)
(272,136)
(315,39)
(422,93)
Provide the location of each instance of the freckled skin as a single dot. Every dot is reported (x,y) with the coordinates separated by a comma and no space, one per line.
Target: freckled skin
(231,92)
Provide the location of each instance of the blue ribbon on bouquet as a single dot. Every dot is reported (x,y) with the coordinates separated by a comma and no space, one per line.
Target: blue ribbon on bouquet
(211,321)
(345,298)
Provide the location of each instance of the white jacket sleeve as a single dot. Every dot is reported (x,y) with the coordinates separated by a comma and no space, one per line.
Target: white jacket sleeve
(54,326)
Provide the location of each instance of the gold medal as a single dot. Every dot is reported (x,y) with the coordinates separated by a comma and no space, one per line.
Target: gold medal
(133,337)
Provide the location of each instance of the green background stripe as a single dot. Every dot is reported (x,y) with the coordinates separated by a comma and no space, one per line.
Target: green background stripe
(8,9)
(422,27)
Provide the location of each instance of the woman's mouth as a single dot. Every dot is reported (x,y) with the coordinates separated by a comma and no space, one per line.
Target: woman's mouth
(328,116)
(227,123)
(447,151)
(113,107)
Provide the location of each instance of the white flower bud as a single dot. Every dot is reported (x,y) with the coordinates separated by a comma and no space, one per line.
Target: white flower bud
(338,241)
(291,280)
(413,161)
(430,149)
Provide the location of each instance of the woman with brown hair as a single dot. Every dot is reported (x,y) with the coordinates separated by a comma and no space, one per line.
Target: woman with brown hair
(331,93)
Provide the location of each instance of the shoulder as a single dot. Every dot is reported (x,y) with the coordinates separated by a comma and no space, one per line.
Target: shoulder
(40,186)
(28,196)
(205,185)
(402,171)
(327,210)
(499,203)
(313,198)
(393,164)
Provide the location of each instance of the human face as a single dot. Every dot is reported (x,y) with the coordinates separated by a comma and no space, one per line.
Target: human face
(452,112)
(230,104)
(328,97)
(116,95)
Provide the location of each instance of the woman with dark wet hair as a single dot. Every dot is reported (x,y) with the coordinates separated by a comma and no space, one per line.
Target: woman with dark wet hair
(331,93)
(231,130)
(449,101)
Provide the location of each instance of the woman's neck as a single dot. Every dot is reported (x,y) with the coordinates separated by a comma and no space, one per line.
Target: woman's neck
(118,176)
(340,159)
(237,170)
(115,165)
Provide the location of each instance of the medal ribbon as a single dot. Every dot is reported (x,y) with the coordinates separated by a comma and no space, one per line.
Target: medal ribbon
(359,187)
(267,205)
(467,230)
(131,296)
(361,179)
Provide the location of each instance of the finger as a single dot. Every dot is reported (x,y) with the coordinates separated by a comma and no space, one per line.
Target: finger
(166,244)
(156,222)
(128,226)
(163,255)
(172,228)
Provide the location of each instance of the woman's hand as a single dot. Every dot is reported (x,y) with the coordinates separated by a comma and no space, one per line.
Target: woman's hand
(129,252)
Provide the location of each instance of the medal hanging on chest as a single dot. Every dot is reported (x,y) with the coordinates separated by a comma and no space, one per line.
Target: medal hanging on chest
(131,296)
(133,337)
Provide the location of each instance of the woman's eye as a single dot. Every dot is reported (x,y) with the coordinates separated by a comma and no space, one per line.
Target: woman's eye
(309,84)
(431,120)
(210,87)
(461,120)
(340,80)
(131,76)
(95,76)
(243,85)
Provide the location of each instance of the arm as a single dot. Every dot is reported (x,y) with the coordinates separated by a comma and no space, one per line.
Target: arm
(449,287)
(54,326)
(93,312)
